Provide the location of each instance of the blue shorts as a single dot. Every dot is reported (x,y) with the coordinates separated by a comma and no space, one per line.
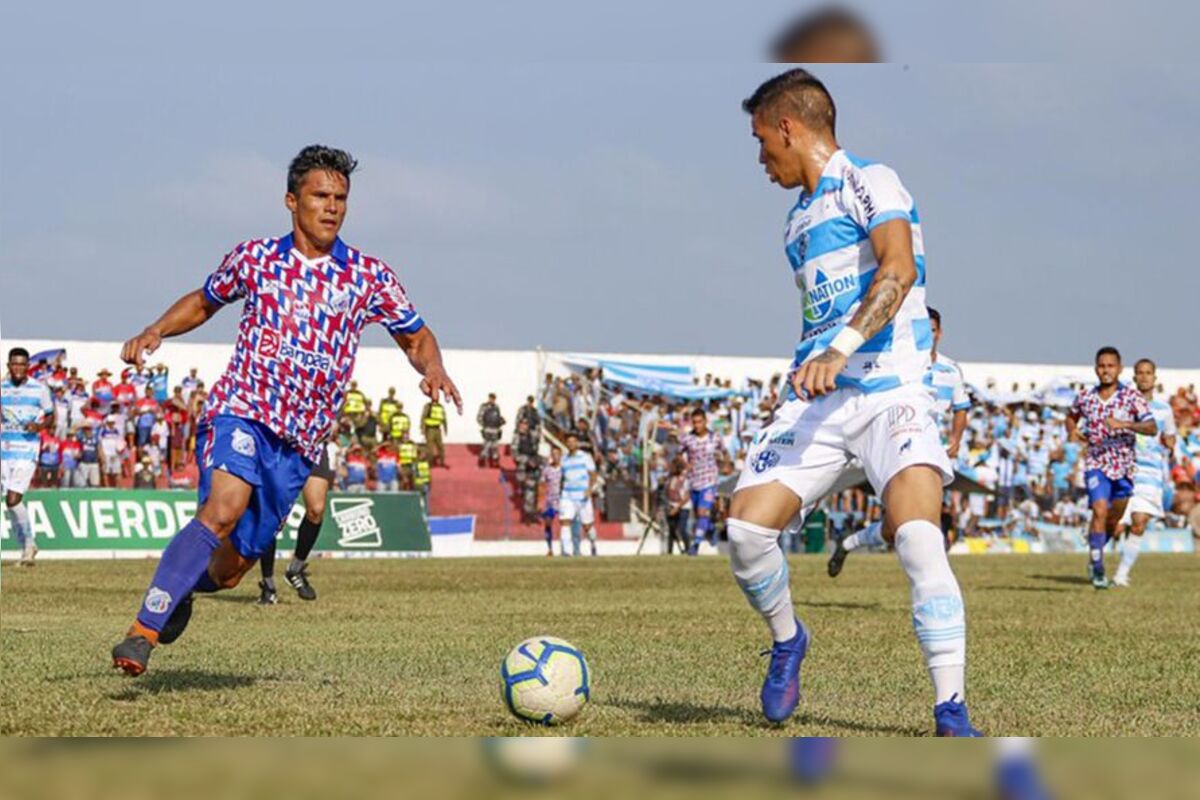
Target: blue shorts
(550,512)
(704,498)
(1102,487)
(250,451)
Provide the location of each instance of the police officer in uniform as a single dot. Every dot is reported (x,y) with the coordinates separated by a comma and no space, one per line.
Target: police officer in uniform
(433,420)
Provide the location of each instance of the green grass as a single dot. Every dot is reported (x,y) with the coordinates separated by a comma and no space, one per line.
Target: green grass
(413,647)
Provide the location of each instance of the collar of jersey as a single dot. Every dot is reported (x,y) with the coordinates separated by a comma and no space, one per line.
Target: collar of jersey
(338,252)
(829,181)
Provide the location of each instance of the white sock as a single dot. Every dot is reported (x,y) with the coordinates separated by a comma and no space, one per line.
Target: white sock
(18,518)
(1130,549)
(762,573)
(938,616)
(1013,748)
(870,536)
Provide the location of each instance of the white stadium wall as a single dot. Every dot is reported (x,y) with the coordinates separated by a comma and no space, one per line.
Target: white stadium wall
(514,374)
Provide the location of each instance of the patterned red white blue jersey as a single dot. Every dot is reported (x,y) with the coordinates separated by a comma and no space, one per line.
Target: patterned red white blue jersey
(299,333)
(1111,452)
(701,452)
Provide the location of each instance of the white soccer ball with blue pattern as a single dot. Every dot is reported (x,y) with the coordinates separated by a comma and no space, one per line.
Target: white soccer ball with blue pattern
(545,680)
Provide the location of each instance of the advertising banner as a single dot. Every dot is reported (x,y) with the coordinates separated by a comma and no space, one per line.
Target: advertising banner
(102,523)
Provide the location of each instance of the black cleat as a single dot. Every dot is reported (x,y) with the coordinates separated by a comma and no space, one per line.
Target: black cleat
(132,654)
(178,621)
(834,567)
(298,580)
(268,596)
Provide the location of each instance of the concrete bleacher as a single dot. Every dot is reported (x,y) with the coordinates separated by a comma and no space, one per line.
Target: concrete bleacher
(464,487)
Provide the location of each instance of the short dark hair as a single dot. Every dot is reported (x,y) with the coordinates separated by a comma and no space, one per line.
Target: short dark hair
(699,412)
(571,436)
(796,93)
(318,156)
(1149,361)
(17,352)
(1108,350)
(934,314)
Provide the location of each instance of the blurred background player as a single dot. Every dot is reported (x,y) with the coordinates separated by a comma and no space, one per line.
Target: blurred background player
(830,35)
(699,447)
(27,409)
(1153,468)
(1108,417)
(575,510)
(854,242)
(945,378)
(309,297)
(315,494)
(551,478)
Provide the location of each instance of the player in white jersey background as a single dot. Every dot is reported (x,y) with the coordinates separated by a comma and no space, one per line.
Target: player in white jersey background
(856,391)
(1153,455)
(945,379)
(575,509)
(27,408)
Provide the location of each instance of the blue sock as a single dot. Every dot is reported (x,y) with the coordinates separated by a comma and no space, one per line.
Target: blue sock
(183,564)
(206,585)
(1096,542)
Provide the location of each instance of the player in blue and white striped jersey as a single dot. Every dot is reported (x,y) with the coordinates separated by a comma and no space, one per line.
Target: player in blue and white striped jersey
(27,409)
(1153,455)
(855,245)
(945,379)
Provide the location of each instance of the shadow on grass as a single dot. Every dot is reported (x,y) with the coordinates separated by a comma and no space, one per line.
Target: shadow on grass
(859,727)
(1074,580)
(232,596)
(850,606)
(1018,589)
(182,680)
(682,712)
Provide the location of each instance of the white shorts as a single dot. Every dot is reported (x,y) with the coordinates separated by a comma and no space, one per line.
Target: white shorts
(15,476)
(1143,503)
(569,509)
(810,445)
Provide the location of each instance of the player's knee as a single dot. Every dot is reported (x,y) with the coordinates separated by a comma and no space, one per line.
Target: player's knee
(315,512)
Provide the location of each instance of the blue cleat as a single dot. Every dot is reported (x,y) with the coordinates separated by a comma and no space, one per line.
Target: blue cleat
(781,689)
(950,719)
(1018,779)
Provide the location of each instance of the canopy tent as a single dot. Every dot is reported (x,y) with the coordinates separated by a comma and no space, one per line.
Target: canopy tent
(670,380)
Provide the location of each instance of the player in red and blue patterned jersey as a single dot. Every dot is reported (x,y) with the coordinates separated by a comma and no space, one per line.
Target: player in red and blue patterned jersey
(308,297)
(700,447)
(1111,414)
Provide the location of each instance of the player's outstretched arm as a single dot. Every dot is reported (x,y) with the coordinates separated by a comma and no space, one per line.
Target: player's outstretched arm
(425,355)
(897,272)
(189,312)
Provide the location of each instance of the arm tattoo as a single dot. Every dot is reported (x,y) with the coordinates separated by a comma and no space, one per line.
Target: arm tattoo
(882,302)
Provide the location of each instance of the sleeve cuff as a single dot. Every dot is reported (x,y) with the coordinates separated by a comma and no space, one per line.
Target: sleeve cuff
(212,297)
(961,406)
(887,216)
(412,325)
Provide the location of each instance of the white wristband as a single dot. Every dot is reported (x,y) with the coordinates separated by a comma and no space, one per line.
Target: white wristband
(847,341)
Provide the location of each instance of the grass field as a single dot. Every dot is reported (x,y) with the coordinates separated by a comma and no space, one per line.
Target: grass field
(413,647)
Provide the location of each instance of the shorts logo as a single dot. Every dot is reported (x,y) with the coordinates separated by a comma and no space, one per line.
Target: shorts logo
(764,461)
(242,443)
(786,439)
(268,344)
(900,415)
(904,448)
(157,601)
(1093,482)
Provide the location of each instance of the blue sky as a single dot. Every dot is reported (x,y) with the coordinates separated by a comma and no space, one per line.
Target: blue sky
(572,202)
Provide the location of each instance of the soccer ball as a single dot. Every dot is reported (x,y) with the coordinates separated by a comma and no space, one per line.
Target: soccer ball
(545,680)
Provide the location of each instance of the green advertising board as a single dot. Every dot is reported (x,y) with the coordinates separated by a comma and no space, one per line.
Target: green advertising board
(102,523)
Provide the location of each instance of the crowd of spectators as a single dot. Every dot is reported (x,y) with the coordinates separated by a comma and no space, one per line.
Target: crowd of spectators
(1015,447)
(139,431)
